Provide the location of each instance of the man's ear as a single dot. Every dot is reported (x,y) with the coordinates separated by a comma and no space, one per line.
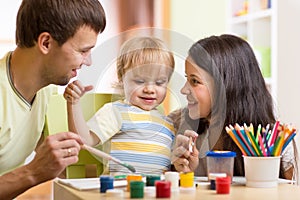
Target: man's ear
(45,42)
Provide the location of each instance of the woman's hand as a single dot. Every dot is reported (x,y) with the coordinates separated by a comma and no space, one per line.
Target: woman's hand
(75,90)
(185,154)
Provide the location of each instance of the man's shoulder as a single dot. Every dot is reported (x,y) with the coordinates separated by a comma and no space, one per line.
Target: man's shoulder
(3,66)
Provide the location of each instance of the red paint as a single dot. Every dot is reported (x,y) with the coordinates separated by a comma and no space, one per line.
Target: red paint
(163,189)
(223,185)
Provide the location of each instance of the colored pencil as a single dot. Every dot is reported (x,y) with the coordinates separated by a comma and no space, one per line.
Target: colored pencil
(265,142)
(274,133)
(252,140)
(244,138)
(229,131)
(240,140)
(288,140)
(262,145)
(258,132)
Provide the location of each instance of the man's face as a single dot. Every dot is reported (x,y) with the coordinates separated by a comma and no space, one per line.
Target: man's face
(64,61)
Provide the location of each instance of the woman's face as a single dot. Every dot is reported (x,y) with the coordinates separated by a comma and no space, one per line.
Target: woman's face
(197,89)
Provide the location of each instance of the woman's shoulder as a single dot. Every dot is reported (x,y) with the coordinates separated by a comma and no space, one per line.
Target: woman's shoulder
(176,114)
(177,117)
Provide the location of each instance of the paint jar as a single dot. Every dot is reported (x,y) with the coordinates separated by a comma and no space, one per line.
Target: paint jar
(220,162)
(149,192)
(150,179)
(163,189)
(212,177)
(223,185)
(133,177)
(136,189)
(173,177)
(187,179)
(106,182)
(114,193)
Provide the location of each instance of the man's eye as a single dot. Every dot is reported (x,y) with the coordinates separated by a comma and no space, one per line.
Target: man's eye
(85,51)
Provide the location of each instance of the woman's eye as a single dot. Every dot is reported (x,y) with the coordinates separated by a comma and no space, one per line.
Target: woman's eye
(194,81)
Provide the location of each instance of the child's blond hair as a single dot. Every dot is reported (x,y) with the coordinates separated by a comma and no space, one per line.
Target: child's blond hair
(141,51)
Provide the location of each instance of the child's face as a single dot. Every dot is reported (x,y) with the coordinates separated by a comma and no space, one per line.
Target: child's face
(146,86)
(197,90)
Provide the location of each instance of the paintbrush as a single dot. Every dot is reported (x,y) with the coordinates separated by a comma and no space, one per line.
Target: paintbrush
(107,156)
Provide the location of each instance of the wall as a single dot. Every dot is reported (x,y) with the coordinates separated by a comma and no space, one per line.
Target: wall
(288,62)
(198,18)
(190,22)
(8,15)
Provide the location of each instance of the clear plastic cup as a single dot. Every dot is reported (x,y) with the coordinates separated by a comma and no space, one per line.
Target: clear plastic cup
(220,162)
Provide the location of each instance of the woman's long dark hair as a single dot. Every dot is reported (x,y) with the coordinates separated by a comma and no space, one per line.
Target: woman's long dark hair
(232,63)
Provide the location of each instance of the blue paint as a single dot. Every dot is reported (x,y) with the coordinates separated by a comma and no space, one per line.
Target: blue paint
(106,182)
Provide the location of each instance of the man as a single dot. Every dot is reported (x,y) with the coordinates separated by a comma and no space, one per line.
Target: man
(54,39)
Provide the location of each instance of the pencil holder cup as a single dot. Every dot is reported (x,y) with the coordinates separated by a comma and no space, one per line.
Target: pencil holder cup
(262,172)
(220,162)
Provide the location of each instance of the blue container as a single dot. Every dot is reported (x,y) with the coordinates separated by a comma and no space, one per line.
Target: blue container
(106,182)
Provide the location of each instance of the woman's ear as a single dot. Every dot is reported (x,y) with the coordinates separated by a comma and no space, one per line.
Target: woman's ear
(44,42)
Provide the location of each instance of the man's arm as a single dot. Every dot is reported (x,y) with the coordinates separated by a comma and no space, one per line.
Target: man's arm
(52,157)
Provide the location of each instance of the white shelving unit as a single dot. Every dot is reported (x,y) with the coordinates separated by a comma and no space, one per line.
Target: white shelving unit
(276,28)
(255,21)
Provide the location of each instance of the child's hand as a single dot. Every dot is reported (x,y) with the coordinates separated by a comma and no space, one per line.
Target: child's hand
(75,90)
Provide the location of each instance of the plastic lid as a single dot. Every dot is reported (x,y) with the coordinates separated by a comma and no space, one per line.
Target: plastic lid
(223,180)
(222,154)
(186,175)
(171,175)
(106,178)
(163,184)
(188,190)
(136,184)
(150,191)
(213,176)
(202,185)
(114,193)
(150,179)
(134,178)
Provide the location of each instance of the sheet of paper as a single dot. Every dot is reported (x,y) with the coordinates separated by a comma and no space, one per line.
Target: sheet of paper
(88,183)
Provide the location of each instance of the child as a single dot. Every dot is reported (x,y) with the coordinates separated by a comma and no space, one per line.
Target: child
(224,86)
(135,130)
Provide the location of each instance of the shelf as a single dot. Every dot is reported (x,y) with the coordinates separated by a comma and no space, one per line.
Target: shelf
(239,19)
(267,13)
(255,24)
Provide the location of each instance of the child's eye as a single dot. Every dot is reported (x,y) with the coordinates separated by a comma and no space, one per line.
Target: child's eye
(161,82)
(139,82)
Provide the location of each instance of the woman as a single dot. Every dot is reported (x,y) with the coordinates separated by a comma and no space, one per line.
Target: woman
(224,86)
